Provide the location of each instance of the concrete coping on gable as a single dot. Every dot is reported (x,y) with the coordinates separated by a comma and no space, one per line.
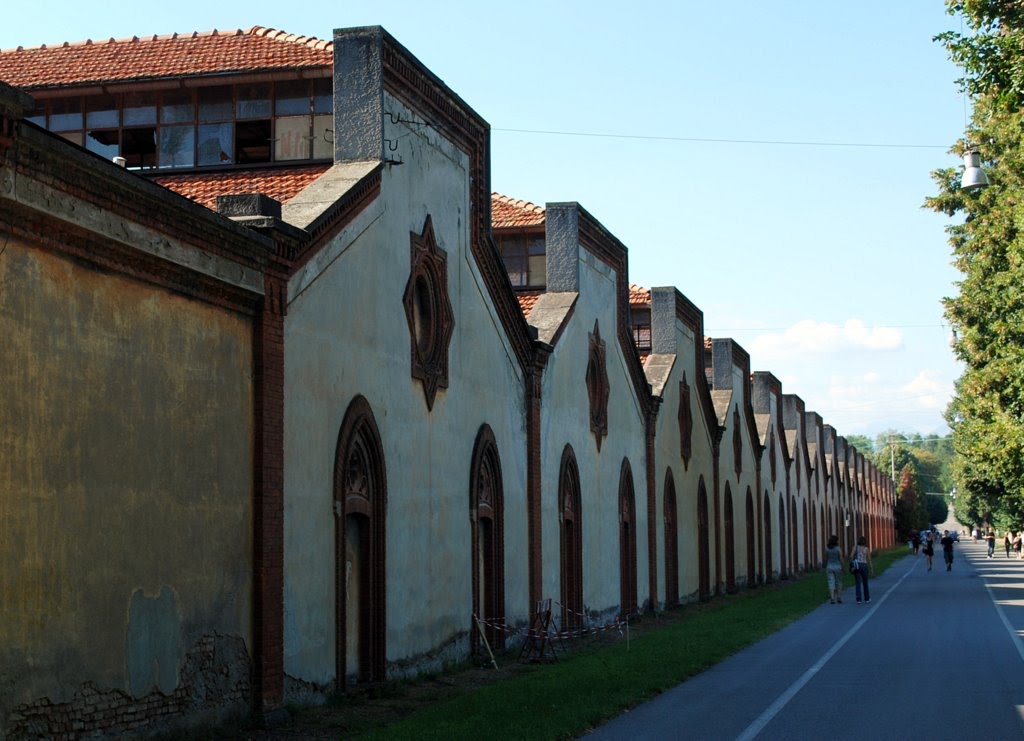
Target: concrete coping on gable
(722,400)
(317,198)
(550,313)
(658,369)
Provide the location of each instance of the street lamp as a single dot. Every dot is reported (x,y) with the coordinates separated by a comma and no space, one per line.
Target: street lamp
(974,177)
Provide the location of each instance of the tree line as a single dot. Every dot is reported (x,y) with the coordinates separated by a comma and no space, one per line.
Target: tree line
(922,468)
(986,414)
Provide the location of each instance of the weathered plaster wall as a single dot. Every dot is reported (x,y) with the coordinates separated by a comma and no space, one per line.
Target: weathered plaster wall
(687,477)
(125,481)
(347,334)
(565,419)
(738,483)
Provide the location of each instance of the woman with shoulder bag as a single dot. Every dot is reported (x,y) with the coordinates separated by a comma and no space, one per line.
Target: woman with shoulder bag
(860,565)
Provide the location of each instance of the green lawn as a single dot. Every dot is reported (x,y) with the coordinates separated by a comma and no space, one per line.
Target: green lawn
(588,687)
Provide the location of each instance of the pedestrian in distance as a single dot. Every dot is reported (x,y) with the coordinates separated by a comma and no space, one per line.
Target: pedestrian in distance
(990,540)
(947,549)
(860,565)
(1007,543)
(915,540)
(834,570)
(1017,541)
(929,549)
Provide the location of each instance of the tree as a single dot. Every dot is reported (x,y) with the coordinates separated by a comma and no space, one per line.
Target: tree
(987,411)
(911,513)
(861,442)
(938,509)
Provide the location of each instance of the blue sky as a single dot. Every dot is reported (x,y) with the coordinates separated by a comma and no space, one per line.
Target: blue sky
(703,139)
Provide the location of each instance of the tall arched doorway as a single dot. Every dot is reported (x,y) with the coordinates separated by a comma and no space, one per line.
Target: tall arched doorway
(794,534)
(571,541)
(783,540)
(360,505)
(627,540)
(703,543)
(487,516)
(767,515)
(807,537)
(671,543)
(730,542)
(751,559)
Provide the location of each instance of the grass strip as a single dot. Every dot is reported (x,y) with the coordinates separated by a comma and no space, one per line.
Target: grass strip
(587,688)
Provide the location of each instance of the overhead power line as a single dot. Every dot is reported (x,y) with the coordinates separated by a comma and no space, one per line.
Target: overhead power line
(709,140)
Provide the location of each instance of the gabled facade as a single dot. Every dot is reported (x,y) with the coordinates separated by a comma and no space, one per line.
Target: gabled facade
(739,457)
(806,544)
(818,474)
(686,440)
(594,483)
(775,471)
(406,479)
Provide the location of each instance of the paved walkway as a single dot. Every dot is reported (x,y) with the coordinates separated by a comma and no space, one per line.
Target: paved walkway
(935,654)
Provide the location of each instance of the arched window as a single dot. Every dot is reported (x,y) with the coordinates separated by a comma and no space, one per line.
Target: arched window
(571,540)
(671,543)
(487,514)
(767,515)
(360,504)
(627,540)
(703,543)
(730,543)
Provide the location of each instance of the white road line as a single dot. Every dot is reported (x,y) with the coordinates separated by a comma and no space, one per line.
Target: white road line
(1006,621)
(776,707)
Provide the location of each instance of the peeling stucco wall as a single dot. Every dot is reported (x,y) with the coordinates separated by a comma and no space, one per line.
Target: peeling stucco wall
(125,480)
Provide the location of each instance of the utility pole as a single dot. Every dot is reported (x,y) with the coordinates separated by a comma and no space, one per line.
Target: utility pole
(892,459)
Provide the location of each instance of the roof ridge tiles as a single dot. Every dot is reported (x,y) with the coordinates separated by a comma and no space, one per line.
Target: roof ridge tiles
(518,202)
(264,31)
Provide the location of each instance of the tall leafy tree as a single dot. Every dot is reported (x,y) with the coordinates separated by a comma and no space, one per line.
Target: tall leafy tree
(987,412)
(911,512)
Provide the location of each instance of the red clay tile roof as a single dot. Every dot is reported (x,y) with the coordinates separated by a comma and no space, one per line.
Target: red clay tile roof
(507,213)
(279,183)
(157,57)
(526,300)
(639,296)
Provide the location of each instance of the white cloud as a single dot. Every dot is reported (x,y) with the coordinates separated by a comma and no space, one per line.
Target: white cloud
(818,338)
(927,391)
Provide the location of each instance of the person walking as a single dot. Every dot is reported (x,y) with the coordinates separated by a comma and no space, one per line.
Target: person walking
(1017,543)
(1007,543)
(929,549)
(834,570)
(990,540)
(860,565)
(947,549)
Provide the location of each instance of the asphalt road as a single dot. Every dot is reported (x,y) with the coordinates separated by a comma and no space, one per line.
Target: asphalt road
(934,655)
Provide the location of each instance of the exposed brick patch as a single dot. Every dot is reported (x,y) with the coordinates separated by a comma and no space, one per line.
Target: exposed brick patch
(214,685)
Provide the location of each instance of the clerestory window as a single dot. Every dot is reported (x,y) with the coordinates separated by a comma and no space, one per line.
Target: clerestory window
(524,258)
(206,127)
